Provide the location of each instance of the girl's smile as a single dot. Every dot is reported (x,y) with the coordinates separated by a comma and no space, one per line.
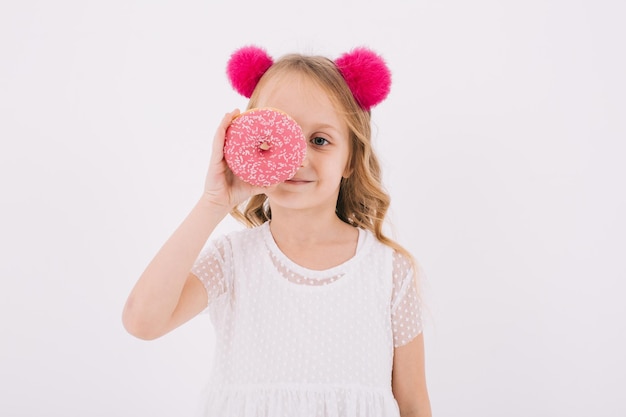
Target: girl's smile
(298,181)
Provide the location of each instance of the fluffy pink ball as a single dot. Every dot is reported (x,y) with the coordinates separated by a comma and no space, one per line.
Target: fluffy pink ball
(245,68)
(367,75)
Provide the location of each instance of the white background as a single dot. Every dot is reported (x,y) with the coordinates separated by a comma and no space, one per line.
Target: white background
(502,143)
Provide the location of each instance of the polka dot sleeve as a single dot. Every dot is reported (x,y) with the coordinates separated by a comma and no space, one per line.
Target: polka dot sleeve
(406,317)
(213,270)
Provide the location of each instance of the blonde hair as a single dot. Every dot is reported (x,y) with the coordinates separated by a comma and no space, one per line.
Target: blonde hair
(363,201)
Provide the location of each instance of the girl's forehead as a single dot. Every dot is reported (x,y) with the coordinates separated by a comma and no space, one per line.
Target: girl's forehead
(283,86)
(301,98)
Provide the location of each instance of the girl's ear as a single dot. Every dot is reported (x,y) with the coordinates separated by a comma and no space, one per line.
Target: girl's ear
(245,68)
(367,76)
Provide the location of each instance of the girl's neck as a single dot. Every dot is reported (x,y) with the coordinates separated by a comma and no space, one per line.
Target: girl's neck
(313,241)
(305,227)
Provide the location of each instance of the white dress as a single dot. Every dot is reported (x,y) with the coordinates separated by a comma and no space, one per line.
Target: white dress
(295,342)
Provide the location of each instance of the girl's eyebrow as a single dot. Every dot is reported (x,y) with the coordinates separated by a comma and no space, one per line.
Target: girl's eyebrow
(325,126)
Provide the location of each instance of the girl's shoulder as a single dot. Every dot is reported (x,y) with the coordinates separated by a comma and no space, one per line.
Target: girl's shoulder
(247,231)
(245,234)
(403,261)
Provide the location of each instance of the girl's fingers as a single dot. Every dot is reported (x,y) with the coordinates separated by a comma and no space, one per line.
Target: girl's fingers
(220,134)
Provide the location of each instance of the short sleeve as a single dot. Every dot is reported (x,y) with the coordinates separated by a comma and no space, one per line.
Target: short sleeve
(406,314)
(212,268)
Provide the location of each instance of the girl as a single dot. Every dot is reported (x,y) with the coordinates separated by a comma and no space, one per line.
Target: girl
(316,311)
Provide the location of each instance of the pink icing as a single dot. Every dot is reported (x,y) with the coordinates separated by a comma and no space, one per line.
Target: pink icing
(256,129)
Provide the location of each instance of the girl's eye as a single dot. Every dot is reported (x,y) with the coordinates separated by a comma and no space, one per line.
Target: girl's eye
(319,141)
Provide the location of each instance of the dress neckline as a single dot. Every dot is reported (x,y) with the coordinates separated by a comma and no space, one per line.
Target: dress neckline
(363,242)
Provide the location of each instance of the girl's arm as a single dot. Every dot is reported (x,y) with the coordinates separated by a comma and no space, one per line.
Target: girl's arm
(167,294)
(409,379)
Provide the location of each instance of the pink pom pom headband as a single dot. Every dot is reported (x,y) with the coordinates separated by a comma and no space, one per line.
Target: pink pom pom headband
(365,72)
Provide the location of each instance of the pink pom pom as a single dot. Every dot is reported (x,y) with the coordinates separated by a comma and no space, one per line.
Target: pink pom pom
(367,75)
(245,68)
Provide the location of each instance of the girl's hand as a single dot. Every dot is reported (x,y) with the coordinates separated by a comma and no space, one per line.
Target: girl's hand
(222,188)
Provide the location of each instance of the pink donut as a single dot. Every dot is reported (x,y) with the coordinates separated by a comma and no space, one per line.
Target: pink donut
(264,146)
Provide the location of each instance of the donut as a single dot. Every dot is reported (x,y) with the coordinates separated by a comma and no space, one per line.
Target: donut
(264,146)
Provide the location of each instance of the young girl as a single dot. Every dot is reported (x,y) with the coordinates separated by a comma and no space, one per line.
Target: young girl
(316,311)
